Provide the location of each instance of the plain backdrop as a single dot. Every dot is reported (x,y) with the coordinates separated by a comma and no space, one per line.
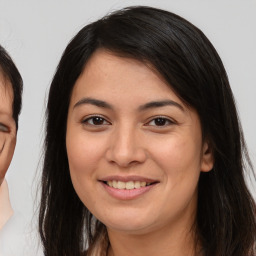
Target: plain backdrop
(35,34)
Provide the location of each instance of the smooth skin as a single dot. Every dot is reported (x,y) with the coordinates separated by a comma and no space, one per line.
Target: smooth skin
(7,126)
(124,120)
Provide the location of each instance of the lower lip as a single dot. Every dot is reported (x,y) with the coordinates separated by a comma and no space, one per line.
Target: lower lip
(127,194)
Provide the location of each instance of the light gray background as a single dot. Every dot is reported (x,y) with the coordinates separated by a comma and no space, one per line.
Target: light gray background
(36,32)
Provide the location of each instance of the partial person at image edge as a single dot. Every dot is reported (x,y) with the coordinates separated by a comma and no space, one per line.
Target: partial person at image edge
(11,86)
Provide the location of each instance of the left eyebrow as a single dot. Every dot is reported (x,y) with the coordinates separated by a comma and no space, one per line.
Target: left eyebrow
(159,104)
(95,102)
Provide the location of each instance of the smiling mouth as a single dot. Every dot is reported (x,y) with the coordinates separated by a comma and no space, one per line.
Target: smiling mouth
(128,185)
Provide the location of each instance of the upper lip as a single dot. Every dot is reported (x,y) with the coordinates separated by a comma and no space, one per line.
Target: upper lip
(128,178)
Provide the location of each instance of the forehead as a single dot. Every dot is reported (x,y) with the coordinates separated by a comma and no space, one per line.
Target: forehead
(6,95)
(109,74)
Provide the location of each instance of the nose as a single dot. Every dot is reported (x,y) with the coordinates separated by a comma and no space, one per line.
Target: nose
(126,147)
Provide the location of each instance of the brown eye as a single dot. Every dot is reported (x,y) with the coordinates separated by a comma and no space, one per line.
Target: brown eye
(96,120)
(160,121)
(3,128)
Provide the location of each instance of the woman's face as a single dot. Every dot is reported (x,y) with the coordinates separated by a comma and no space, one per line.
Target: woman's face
(135,151)
(7,126)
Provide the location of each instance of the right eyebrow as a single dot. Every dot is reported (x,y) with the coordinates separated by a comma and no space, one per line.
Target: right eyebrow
(92,101)
(161,103)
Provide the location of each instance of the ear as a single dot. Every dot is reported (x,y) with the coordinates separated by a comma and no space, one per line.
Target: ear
(207,161)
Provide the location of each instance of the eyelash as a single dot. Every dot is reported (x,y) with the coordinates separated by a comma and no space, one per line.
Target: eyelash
(97,118)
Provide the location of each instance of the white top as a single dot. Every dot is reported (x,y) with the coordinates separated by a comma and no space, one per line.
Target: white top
(18,237)
(5,206)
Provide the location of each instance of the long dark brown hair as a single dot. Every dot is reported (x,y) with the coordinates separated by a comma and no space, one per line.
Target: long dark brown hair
(184,57)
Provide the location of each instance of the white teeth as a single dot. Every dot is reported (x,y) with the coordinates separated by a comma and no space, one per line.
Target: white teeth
(137,184)
(114,182)
(121,185)
(127,185)
(143,184)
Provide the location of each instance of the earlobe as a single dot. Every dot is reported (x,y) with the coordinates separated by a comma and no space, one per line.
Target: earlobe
(207,158)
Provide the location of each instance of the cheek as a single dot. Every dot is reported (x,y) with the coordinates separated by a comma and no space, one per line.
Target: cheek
(177,152)
(179,159)
(83,151)
(82,158)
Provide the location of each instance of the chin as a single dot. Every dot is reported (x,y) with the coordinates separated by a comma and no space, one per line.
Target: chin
(128,223)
